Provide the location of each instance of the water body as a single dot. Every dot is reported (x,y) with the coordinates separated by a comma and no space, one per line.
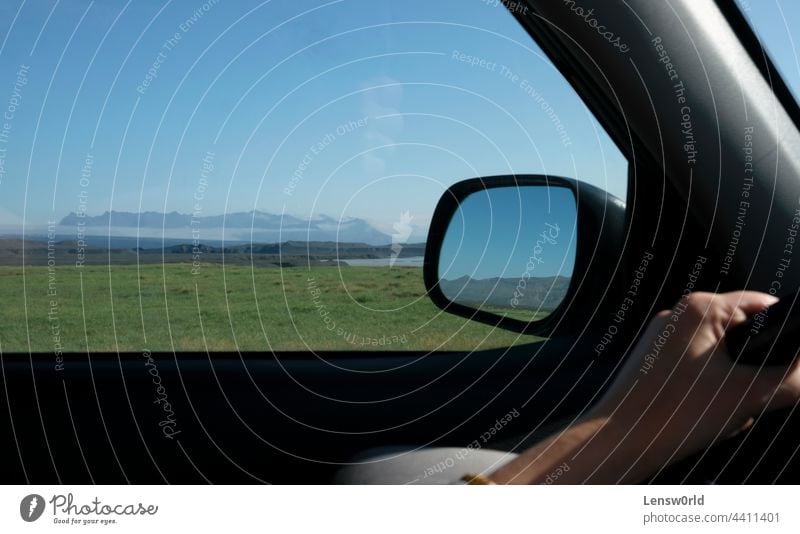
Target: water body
(415,261)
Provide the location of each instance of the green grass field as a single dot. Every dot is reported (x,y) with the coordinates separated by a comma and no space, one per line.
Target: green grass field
(164,308)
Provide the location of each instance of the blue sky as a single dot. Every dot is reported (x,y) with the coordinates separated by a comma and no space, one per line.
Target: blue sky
(349,108)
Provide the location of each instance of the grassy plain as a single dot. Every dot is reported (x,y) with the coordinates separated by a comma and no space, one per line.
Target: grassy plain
(225,308)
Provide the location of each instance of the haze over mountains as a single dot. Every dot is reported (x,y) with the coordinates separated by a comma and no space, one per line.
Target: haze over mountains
(16,252)
(255,237)
(253,226)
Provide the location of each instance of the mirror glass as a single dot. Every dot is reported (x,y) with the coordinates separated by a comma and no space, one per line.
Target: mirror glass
(511,250)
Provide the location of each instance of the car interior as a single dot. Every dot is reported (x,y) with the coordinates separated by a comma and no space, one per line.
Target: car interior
(683,99)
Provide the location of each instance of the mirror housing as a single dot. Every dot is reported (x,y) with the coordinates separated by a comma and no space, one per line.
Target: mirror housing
(587,260)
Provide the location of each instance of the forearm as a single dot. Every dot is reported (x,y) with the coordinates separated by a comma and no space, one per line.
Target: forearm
(595,450)
(654,415)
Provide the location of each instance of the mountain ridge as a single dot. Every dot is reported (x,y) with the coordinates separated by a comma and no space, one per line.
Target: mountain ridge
(254,225)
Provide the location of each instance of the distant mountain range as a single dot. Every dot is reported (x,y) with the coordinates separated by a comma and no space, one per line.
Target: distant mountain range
(15,252)
(252,226)
(544,293)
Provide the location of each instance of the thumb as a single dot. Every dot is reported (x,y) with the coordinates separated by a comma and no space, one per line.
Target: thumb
(749,302)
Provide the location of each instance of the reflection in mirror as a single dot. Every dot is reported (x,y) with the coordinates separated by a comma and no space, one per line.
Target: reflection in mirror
(511,251)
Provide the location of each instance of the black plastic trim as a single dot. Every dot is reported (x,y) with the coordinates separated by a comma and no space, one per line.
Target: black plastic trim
(600,226)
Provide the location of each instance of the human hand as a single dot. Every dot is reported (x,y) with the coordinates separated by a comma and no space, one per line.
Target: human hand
(680,391)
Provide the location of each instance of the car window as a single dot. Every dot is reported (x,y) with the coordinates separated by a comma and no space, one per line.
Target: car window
(773,23)
(209,176)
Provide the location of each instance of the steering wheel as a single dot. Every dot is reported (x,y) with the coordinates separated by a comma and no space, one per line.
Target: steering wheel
(769,451)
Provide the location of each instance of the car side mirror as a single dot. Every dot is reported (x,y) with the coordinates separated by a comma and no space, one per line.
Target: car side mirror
(523,252)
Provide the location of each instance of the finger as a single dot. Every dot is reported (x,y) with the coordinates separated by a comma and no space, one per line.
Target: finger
(734,308)
(750,302)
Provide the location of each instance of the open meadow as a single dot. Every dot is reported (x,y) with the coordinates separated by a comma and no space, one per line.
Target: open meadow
(215,307)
